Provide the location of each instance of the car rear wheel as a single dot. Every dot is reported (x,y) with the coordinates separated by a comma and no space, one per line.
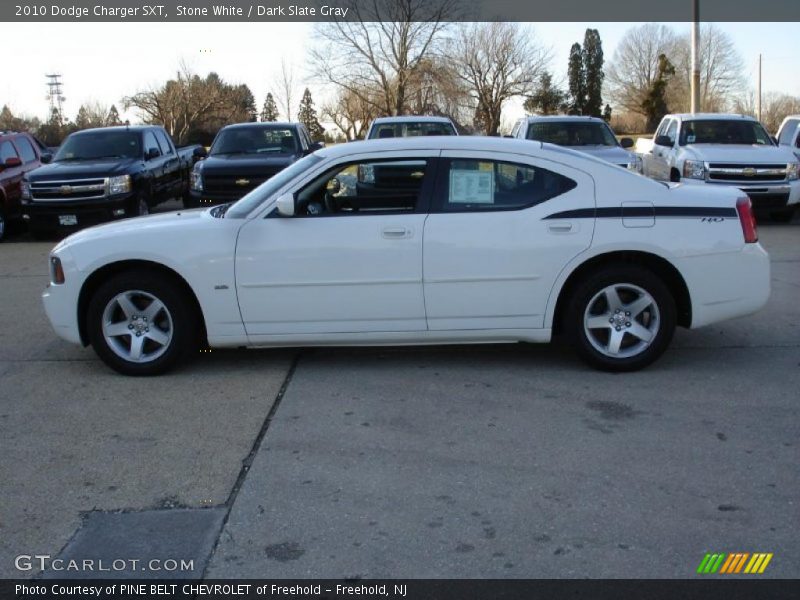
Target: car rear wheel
(621,318)
(141,323)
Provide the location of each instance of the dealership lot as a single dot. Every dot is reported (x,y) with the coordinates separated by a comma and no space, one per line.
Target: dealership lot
(480,461)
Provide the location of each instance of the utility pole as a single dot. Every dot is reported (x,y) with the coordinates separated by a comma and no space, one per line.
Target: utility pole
(758,93)
(695,57)
(54,95)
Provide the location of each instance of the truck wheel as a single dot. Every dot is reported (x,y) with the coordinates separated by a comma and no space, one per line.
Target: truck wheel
(621,318)
(142,206)
(141,323)
(783,216)
(674,175)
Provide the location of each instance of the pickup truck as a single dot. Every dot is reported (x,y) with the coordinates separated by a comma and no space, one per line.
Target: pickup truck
(20,153)
(410,126)
(789,134)
(242,157)
(590,135)
(725,150)
(105,174)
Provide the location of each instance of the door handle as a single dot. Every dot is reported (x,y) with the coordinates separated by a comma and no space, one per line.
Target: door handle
(560,227)
(396,233)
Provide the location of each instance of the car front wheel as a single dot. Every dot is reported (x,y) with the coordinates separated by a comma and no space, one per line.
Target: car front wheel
(621,318)
(141,323)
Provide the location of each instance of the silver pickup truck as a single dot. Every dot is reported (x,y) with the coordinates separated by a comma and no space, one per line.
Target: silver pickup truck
(789,134)
(725,149)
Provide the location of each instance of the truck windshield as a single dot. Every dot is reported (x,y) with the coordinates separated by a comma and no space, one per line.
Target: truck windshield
(254,198)
(254,140)
(410,129)
(723,131)
(100,144)
(572,133)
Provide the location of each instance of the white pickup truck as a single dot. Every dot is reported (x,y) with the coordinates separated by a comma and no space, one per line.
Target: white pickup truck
(726,150)
(789,134)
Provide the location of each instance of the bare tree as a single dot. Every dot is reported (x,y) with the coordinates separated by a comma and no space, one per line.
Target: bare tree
(496,61)
(287,88)
(383,48)
(634,67)
(350,113)
(775,107)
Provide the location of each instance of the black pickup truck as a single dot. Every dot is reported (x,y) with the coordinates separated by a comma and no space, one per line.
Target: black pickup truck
(104,174)
(245,155)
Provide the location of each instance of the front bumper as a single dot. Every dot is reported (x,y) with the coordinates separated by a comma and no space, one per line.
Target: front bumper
(764,196)
(61,301)
(71,216)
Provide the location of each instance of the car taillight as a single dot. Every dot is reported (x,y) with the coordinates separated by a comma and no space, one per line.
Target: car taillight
(748,220)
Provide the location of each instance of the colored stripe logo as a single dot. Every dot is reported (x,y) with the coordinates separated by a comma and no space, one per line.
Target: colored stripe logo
(734,562)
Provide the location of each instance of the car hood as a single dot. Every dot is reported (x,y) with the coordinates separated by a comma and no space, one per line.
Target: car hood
(242,165)
(735,153)
(74,169)
(611,154)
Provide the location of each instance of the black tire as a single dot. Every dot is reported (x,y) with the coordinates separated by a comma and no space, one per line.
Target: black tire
(660,317)
(141,205)
(782,216)
(180,313)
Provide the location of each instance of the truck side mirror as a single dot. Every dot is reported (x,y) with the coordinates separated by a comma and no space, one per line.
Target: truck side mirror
(285,205)
(12,162)
(663,140)
(626,142)
(199,153)
(46,157)
(152,153)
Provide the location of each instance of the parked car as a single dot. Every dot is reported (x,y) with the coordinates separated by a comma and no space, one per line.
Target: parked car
(244,156)
(410,126)
(20,153)
(517,241)
(104,174)
(725,150)
(585,134)
(789,134)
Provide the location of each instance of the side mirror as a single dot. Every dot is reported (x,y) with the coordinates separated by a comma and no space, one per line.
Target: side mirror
(46,158)
(626,142)
(315,146)
(12,162)
(152,153)
(508,136)
(663,140)
(199,153)
(285,205)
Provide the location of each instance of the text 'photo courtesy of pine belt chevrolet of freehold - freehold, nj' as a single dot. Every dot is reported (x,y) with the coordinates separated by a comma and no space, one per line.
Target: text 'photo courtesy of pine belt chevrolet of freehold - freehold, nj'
(406,299)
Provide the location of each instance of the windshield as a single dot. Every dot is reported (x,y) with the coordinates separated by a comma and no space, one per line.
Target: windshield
(251,200)
(723,131)
(101,144)
(254,140)
(572,133)
(410,129)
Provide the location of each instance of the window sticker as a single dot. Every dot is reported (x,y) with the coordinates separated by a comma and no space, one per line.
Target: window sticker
(471,187)
(690,139)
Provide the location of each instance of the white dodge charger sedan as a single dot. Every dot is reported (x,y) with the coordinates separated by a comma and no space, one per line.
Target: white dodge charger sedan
(430,240)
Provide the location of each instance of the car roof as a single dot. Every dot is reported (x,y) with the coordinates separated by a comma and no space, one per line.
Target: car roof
(472,142)
(412,119)
(264,124)
(532,118)
(715,116)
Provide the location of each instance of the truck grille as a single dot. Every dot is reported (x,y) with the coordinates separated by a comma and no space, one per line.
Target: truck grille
(233,186)
(75,189)
(746,173)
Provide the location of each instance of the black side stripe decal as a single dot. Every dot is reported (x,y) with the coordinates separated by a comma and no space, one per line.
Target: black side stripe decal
(617,212)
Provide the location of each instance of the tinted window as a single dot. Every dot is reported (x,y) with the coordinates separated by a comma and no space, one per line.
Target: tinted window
(572,133)
(479,185)
(150,141)
(410,129)
(7,151)
(255,140)
(724,131)
(166,147)
(787,132)
(365,188)
(26,151)
(101,144)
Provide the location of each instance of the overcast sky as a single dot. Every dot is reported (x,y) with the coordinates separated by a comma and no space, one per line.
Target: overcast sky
(106,61)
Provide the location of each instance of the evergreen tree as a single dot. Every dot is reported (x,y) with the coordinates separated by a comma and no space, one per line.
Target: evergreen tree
(593,73)
(82,120)
(113,116)
(577,80)
(548,99)
(655,103)
(307,115)
(607,113)
(269,112)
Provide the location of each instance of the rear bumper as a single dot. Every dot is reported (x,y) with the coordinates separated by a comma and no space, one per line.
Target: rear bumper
(51,216)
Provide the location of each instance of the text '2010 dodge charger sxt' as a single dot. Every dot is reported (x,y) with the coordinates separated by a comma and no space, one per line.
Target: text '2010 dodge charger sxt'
(417,241)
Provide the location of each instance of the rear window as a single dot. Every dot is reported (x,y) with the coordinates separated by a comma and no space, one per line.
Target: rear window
(410,129)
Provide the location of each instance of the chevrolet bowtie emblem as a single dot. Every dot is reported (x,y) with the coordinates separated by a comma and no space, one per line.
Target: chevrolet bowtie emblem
(242,181)
(749,172)
(65,189)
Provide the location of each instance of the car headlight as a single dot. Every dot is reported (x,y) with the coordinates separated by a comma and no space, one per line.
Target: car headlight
(119,185)
(694,169)
(196,180)
(25,190)
(635,164)
(792,171)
